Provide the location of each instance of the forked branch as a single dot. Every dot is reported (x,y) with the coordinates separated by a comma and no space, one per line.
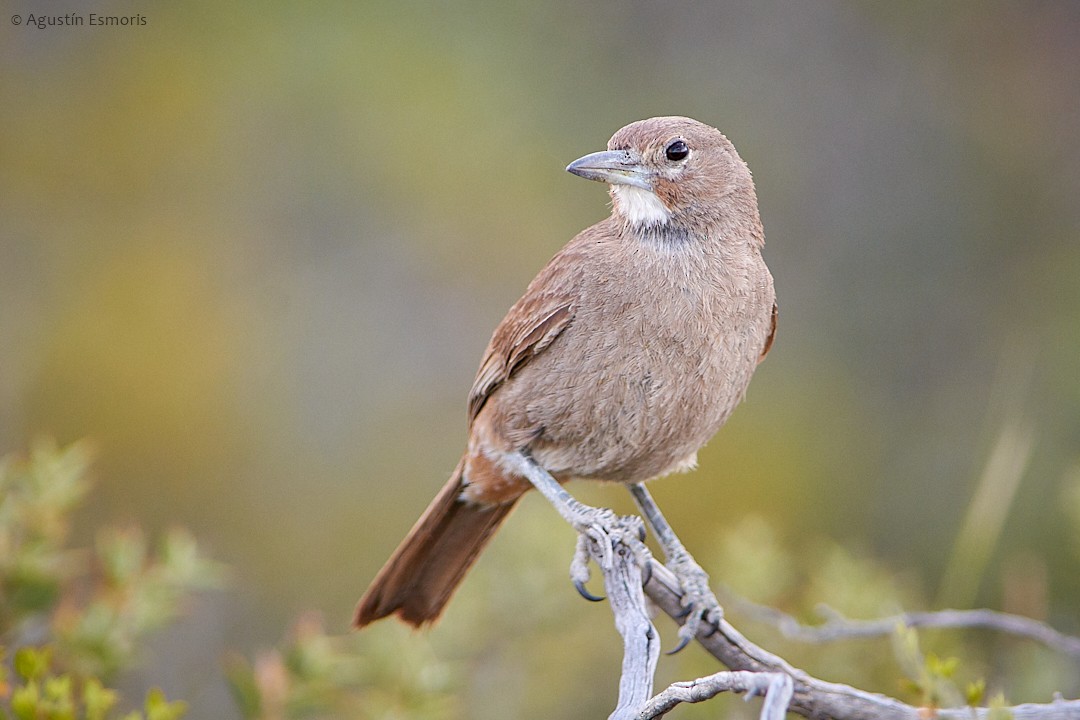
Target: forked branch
(624,561)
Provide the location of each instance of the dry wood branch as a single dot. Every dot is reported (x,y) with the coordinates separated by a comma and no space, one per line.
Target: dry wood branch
(816,698)
(612,542)
(838,627)
(775,687)
(641,643)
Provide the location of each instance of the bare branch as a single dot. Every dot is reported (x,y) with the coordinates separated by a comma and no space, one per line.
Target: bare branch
(838,627)
(612,542)
(776,687)
(641,642)
(816,698)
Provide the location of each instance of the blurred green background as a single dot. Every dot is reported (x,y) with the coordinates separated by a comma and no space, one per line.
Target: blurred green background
(254,251)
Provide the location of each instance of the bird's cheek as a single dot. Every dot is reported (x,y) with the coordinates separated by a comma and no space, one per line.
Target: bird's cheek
(669,191)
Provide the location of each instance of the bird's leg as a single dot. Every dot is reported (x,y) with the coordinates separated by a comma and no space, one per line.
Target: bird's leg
(598,525)
(698,599)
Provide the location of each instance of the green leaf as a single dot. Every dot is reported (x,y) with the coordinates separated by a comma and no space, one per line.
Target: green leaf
(941,668)
(182,565)
(97,699)
(158,708)
(58,689)
(32,663)
(24,701)
(244,687)
(122,554)
(999,708)
(975,692)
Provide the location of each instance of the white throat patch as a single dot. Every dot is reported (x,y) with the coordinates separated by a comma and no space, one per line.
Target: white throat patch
(641,207)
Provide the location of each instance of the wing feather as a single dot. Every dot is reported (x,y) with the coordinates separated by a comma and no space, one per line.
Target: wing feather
(772,333)
(530,326)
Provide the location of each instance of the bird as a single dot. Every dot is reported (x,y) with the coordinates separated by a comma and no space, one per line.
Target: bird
(624,356)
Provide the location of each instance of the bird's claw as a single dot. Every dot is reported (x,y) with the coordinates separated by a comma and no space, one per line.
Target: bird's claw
(646,572)
(684,640)
(699,603)
(579,569)
(605,528)
(583,592)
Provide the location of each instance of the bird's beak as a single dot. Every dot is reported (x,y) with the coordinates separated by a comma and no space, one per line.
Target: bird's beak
(616,167)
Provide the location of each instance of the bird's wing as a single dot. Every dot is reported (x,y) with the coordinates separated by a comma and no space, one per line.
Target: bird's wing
(772,333)
(530,326)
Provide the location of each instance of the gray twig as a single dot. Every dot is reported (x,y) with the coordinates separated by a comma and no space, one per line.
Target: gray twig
(838,627)
(816,698)
(777,689)
(641,642)
(613,543)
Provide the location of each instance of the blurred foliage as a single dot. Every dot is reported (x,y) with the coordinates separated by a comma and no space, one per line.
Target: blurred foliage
(75,617)
(315,675)
(815,578)
(38,693)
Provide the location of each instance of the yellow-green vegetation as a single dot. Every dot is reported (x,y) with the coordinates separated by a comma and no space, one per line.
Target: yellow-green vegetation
(76,616)
(73,619)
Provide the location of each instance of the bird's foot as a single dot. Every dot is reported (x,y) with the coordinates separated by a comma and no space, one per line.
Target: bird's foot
(579,570)
(699,603)
(600,534)
(700,606)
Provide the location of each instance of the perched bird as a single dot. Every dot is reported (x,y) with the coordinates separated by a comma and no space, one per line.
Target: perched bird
(624,356)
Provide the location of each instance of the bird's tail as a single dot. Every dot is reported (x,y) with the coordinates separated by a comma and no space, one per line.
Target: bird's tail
(419,578)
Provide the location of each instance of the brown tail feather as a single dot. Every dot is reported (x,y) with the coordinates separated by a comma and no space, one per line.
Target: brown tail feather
(419,578)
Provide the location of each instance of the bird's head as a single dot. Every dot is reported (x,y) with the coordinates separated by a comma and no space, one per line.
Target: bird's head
(671,173)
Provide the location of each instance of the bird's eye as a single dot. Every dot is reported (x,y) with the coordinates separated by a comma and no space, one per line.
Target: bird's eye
(676,151)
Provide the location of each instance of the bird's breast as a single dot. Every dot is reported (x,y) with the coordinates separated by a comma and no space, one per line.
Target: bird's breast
(648,370)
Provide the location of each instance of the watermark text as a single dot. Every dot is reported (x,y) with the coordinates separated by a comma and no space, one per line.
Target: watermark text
(42,21)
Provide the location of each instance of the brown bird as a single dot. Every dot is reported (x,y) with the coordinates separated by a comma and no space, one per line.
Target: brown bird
(624,356)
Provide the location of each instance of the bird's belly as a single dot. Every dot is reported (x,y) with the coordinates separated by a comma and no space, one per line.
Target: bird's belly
(641,420)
